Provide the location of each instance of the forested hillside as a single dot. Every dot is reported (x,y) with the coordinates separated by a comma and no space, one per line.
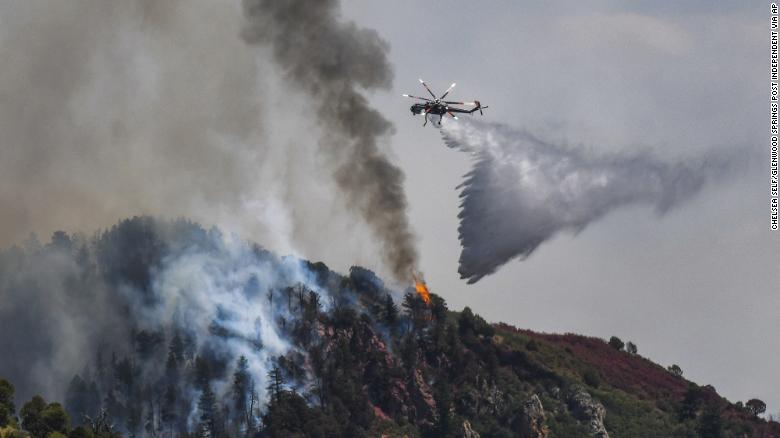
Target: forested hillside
(158,328)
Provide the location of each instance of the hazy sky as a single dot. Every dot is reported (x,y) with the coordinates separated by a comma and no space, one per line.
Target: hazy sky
(149,109)
(700,286)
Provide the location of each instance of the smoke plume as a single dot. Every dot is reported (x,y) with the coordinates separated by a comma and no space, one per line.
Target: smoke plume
(72,304)
(146,107)
(522,191)
(329,59)
(110,110)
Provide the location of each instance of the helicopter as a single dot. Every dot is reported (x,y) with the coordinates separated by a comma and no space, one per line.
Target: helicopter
(441,107)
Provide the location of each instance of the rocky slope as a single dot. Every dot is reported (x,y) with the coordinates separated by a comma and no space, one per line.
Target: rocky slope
(180,333)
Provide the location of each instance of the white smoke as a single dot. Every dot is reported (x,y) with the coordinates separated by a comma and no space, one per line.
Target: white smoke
(226,296)
(523,190)
(229,288)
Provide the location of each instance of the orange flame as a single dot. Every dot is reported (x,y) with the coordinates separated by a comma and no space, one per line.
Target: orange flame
(422,289)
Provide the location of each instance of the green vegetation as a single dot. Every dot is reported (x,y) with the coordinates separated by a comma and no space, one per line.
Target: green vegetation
(7,409)
(616,343)
(755,406)
(361,364)
(39,419)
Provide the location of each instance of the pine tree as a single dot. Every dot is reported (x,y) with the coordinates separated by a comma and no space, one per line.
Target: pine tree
(275,384)
(241,385)
(312,307)
(318,365)
(444,420)
(390,315)
(289,292)
(417,310)
(177,347)
(301,295)
(250,409)
(207,406)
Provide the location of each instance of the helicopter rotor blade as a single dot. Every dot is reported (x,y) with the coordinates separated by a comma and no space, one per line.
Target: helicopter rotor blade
(460,103)
(448,91)
(427,88)
(416,97)
(453,115)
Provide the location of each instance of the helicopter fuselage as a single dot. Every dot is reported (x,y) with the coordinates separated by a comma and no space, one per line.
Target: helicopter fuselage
(429,108)
(438,106)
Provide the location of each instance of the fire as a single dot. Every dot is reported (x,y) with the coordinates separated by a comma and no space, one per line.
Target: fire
(422,289)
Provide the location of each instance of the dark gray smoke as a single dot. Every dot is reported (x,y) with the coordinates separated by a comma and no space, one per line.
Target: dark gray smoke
(329,59)
(522,190)
(147,107)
